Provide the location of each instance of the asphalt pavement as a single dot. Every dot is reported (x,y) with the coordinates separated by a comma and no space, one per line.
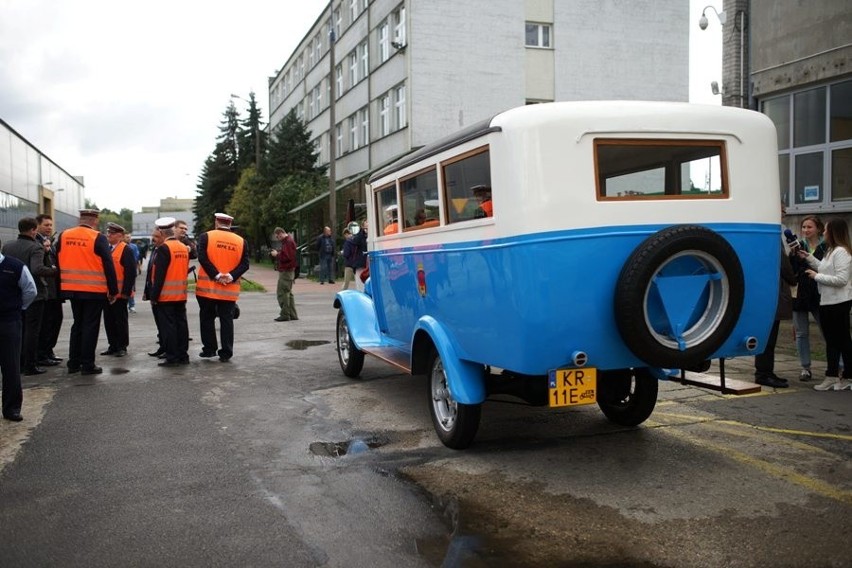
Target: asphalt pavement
(219,464)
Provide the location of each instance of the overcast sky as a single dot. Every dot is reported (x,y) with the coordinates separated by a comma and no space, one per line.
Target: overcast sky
(130,96)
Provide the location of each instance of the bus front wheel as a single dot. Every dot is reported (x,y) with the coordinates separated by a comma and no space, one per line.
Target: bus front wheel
(351,358)
(627,396)
(455,423)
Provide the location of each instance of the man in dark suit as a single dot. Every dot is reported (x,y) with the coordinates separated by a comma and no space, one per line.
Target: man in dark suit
(32,254)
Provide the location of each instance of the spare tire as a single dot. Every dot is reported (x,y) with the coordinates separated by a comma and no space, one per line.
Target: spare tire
(679,296)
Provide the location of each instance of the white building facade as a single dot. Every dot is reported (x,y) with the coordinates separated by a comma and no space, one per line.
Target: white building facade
(408,72)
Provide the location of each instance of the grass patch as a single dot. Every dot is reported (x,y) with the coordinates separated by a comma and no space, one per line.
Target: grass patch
(245,286)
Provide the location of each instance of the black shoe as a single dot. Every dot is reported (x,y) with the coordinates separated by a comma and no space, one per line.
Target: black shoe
(772,381)
(120,353)
(184,361)
(47,362)
(168,364)
(72,370)
(331,281)
(92,371)
(281,319)
(157,353)
(14,417)
(207,354)
(34,371)
(54,357)
(224,358)
(108,352)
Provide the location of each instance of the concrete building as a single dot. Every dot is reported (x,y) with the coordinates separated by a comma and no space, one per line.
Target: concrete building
(179,208)
(408,72)
(31,183)
(793,62)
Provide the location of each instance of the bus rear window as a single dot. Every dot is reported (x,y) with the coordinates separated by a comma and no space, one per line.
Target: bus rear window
(660,169)
(462,177)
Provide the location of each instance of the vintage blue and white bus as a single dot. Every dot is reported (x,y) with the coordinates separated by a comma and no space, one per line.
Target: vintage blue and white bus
(562,253)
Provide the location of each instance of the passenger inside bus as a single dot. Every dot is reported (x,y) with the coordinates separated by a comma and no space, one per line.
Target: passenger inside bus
(421,221)
(392,223)
(483,194)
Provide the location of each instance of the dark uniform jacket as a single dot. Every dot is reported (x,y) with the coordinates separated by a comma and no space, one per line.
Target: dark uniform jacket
(31,253)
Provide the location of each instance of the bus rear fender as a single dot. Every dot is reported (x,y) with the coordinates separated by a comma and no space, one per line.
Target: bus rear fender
(465,379)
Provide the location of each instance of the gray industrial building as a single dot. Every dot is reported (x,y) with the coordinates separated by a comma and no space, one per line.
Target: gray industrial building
(32,183)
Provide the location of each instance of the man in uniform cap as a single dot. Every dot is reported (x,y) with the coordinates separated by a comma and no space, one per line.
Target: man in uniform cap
(87,278)
(115,314)
(223,257)
(168,293)
(483,194)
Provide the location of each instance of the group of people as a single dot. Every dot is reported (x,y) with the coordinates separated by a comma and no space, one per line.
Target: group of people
(816,281)
(96,274)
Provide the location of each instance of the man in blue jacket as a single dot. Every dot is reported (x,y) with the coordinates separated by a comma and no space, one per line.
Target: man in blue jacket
(17,291)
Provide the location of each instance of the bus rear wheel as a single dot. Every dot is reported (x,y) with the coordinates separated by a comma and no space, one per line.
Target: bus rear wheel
(351,358)
(455,423)
(627,396)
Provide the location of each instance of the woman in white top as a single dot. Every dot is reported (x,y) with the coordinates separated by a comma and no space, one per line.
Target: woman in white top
(834,278)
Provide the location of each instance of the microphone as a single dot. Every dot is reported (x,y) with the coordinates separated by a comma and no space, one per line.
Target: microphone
(792,240)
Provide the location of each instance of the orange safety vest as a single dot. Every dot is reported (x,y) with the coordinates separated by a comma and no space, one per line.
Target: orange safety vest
(119,269)
(224,251)
(80,269)
(488,208)
(174,287)
(391,228)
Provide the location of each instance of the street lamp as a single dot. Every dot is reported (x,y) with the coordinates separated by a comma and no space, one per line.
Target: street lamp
(256,134)
(723,18)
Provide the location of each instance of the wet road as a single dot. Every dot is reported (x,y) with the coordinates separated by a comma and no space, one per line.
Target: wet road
(277,459)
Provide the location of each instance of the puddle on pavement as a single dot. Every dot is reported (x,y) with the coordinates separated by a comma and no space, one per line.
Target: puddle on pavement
(118,371)
(302,344)
(353,446)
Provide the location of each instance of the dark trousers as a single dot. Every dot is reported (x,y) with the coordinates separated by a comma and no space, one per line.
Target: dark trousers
(326,269)
(155,310)
(174,331)
(834,321)
(84,332)
(32,329)
(115,324)
(208,311)
(51,323)
(10,366)
(764,364)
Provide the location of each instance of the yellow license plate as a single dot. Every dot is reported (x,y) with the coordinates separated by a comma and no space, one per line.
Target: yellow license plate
(572,387)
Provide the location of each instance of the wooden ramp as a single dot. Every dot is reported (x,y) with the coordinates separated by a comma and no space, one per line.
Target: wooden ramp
(719,383)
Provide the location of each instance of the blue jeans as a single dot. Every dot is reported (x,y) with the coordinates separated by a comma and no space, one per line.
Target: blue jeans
(326,270)
(801,325)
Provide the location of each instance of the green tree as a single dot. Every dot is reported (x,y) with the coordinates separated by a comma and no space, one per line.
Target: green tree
(220,173)
(246,206)
(290,151)
(289,192)
(251,138)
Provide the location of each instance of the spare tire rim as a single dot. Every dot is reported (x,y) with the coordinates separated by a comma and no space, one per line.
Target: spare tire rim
(686,299)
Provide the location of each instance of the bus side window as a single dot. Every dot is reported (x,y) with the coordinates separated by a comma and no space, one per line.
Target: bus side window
(420,200)
(387,210)
(461,177)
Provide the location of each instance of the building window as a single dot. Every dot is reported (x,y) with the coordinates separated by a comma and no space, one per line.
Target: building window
(814,129)
(399,105)
(353,133)
(399,26)
(365,60)
(301,67)
(353,69)
(338,78)
(364,115)
(312,105)
(384,115)
(339,136)
(364,4)
(537,35)
(319,89)
(353,10)
(338,21)
(384,41)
